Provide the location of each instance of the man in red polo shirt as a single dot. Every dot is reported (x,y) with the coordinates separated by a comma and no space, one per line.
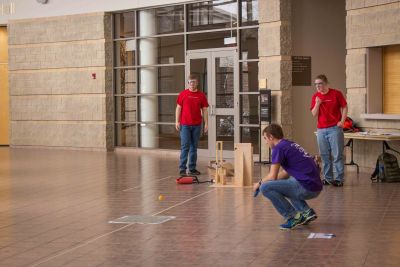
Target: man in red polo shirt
(191,109)
(330,107)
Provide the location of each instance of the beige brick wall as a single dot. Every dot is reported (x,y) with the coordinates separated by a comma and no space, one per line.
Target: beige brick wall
(58,29)
(58,82)
(369,23)
(375,25)
(64,134)
(356,68)
(76,54)
(275,49)
(54,100)
(59,107)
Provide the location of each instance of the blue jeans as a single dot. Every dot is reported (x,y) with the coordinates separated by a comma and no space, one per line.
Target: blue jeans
(189,140)
(331,143)
(280,192)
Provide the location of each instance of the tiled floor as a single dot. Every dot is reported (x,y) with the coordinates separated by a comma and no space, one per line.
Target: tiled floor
(55,207)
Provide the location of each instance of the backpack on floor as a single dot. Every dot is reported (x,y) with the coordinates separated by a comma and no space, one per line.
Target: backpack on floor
(386,169)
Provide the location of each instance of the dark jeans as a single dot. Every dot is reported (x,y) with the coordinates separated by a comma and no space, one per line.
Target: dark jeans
(189,140)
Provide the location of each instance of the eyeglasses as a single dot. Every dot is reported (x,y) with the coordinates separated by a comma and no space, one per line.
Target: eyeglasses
(319,84)
(192,81)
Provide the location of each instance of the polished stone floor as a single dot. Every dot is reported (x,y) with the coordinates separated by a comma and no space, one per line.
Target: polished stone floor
(55,208)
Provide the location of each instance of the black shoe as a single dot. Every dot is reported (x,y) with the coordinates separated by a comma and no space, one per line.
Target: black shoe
(338,183)
(327,182)
(182,172)
(194,172)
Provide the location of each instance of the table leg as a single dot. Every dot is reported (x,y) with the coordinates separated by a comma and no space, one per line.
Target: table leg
(350,144)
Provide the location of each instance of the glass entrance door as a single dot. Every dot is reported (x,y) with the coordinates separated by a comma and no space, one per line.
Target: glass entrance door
(218,79)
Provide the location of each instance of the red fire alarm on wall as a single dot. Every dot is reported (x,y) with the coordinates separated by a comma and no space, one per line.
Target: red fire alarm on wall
(93,75)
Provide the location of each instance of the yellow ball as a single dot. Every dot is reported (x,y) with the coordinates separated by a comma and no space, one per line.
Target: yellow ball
(160,197)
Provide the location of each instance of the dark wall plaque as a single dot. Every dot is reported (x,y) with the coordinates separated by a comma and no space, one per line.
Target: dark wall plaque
(301,71)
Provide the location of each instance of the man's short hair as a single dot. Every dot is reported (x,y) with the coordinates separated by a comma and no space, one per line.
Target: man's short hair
(193,77)
(322,77)
(275,130)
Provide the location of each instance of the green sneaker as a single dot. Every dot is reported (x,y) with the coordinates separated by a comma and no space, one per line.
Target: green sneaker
(299,219)
(309,216)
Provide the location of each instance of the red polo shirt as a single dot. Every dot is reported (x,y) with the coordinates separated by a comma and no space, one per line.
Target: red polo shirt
(192,103)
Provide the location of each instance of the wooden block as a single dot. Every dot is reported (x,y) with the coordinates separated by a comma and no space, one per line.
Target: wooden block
(217,176)
(239,168)
(249,167)
(223,176)
(211,172)
(245,150)
(228,167)
(218,152)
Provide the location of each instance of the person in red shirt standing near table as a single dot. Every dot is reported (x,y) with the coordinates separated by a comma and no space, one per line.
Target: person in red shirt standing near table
(330,107)
(191,109)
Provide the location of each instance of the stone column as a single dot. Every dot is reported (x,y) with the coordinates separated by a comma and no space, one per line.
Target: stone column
(148,79)
(275,50)
(108,81)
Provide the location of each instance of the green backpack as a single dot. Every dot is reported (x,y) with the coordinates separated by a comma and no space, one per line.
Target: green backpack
(386,169)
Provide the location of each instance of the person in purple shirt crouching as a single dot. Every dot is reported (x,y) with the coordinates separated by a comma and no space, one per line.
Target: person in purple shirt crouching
(293,178)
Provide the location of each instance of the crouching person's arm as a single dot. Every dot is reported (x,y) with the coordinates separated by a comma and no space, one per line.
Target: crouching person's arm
(273,172)
(272,175)
(283,174)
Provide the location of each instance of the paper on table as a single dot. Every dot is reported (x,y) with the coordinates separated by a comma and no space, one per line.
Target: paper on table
(394,134)
(321,235)
(381,133)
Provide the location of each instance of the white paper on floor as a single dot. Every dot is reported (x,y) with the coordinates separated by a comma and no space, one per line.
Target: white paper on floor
(321,235)
(142,219)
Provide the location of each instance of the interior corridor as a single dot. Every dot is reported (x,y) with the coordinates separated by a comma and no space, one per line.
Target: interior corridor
(55,208)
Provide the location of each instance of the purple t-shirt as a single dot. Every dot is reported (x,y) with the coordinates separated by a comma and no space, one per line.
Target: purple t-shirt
(297,163)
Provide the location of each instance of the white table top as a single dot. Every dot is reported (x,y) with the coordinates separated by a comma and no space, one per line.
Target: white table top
(373,136)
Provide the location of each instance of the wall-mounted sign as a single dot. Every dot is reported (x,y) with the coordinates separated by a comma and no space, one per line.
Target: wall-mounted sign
(301,71)
(229,40)
(262,83)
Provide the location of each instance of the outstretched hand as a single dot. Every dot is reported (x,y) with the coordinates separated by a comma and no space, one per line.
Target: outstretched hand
(256,189)
(256,186)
